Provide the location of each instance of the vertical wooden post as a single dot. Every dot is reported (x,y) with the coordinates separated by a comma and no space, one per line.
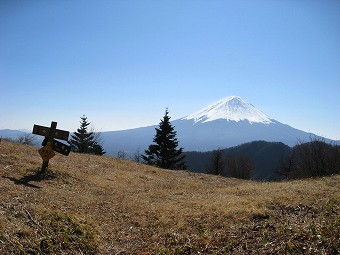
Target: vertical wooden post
(44,167)
(49,143)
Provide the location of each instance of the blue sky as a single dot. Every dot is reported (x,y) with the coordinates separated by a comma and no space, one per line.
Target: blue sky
(121,63)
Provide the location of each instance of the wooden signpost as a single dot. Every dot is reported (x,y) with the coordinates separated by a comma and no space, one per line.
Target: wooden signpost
(50,144)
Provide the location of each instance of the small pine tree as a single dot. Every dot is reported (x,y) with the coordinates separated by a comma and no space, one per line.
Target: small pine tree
(164,152)
(83,141)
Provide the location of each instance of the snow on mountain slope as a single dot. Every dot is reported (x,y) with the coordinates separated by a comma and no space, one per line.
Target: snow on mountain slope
(232,108)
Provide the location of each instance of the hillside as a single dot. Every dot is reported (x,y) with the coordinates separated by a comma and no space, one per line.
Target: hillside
(103,205)
(264,155)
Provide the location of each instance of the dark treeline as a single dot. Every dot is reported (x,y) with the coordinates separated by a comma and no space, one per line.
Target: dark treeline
(262,160)
(311,159)
(255,160)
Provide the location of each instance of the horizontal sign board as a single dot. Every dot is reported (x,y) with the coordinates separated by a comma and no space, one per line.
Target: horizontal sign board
(46,131)
(40,130)
(61,148)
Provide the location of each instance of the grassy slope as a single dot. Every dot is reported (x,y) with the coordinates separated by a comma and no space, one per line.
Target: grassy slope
(103,205)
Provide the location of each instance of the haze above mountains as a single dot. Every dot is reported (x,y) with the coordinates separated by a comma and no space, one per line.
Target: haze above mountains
(229,122)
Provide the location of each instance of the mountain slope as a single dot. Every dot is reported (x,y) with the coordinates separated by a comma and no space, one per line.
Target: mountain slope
(229,122)
(232,108)
(103,205)
(222,133)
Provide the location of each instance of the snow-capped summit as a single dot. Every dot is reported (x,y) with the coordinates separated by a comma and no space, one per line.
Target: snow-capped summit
(232,108)
(229,122)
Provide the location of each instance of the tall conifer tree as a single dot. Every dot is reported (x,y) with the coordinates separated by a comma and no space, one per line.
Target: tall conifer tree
(164,152)
(83,141)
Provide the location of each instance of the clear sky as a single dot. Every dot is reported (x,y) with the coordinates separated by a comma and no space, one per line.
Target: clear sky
(121,62)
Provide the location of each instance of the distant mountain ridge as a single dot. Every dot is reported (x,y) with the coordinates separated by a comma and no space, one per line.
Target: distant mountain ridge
(11,134)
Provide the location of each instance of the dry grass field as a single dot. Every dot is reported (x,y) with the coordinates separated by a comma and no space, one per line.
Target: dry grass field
(103,205)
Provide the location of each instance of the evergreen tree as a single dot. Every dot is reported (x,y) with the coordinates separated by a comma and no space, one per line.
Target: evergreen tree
(83,141)
(164,152)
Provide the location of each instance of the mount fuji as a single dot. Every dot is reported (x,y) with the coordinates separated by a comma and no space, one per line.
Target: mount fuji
(229,122)
(232,108)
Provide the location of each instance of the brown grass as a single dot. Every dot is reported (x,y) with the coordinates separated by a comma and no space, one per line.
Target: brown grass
(103,205)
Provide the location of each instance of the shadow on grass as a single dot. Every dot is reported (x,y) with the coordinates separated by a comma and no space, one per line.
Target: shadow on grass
(36,177)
